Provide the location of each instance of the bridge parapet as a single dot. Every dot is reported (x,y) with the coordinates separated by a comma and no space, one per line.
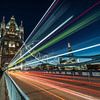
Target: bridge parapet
(86,73)
(14,92)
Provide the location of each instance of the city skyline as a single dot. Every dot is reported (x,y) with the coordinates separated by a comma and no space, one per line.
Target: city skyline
(50,50)
(80,28)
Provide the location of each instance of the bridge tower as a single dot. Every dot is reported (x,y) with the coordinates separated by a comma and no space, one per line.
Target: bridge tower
(11,39)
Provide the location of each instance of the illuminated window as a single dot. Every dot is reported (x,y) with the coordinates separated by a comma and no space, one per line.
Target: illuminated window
(11,33)
(16,33)
(20,36)
(8,32)
(17,44)
(12,44)
(5,51)
(5,42)
(11,52)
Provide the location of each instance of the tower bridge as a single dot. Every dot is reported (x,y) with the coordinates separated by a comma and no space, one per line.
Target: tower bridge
(59,60)
(11,37)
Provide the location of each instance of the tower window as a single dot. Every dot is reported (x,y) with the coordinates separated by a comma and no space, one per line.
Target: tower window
(5,42)
(16,33)
(11,44)
(11,33)
(20,36)
(17,44)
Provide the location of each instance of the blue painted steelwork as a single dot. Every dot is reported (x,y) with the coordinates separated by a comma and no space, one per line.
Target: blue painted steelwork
(14,92)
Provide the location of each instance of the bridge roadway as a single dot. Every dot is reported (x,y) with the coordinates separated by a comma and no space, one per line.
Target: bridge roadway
(47,86)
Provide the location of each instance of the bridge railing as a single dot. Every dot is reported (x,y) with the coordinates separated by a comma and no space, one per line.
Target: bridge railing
(89,73)
(14,92)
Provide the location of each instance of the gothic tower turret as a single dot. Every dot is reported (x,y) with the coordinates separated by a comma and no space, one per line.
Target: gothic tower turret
(2,28)
(21,29)
(12,40)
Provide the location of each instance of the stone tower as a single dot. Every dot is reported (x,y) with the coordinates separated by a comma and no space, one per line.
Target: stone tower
(11,39)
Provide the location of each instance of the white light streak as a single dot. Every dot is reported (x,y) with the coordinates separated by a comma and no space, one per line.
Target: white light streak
(35,28)
(44,38)
(82,49)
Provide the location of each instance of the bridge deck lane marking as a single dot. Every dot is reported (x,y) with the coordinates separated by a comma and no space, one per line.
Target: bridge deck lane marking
(45,90)
(62,89)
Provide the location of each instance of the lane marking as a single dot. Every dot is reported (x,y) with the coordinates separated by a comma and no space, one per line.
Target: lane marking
(87,97)
(41,88)
(48,92)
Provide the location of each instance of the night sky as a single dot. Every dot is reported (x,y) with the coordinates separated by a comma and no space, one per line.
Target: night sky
(30,11)
(87,36)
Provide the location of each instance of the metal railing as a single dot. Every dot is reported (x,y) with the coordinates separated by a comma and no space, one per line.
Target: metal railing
(75,73)
(14,92)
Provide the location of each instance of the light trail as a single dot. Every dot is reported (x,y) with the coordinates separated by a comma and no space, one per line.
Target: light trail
(63,78)
(48,92)
(80,25)
(82,49)
(71,33)
(46,13)
(33,55)
(54,17)
(74,90)
(85,12)
(45,38)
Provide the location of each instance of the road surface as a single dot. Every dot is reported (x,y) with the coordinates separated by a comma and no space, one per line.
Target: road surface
(47,86)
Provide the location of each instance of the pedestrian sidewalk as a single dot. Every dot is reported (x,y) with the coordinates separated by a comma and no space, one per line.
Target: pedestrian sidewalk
(3,90)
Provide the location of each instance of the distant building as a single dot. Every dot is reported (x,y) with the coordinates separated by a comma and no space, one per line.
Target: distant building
(70,56)
(68,59)
(11,39)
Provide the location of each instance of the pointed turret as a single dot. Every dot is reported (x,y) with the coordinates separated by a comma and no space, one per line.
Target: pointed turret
(21,23)
(3,20)
(21,27)
(3,23)
(12,18)
(12,25)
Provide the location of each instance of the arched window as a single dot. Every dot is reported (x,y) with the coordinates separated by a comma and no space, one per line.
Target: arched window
(12,44)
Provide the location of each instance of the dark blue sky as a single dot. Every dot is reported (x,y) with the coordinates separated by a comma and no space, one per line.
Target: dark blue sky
(85,37)
(30,11)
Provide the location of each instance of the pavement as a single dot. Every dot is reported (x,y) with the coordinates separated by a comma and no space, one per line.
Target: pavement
(3,89)
(48,86)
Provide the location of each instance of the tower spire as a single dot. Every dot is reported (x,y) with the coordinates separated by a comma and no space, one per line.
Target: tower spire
(21,29)
(69,45)
(21,23)
(3,23)
(70,49)
(3,19)
(13,18)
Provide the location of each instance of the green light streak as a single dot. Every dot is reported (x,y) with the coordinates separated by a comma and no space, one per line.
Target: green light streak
(71,30)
